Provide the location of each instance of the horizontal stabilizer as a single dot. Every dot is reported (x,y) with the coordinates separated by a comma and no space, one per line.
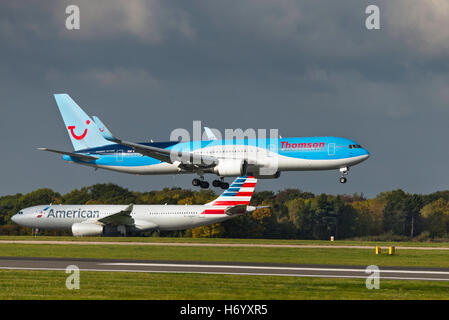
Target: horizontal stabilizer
(242,209)
(238,209)
(80,156)
(251,208)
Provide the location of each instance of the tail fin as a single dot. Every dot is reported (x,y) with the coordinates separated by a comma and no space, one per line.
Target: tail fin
(83,132)
(240,192)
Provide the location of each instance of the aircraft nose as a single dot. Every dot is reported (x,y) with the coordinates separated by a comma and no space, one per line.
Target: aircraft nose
(366,155)
(17,218)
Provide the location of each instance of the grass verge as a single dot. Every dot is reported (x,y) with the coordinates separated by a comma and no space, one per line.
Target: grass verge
(361,257)
(104,285)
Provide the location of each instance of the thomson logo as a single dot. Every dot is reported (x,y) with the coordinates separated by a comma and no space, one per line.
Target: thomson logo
(73,214)
(316,145)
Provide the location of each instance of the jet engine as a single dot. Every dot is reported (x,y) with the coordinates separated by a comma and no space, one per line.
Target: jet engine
(231,168)
(86,229)
(268,176)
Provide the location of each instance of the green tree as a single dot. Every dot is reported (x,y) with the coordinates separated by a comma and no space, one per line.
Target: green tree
(436,217)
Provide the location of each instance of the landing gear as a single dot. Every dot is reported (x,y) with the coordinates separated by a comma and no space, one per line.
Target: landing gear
(220,184)
(204,184)
(344,172)
(201,183)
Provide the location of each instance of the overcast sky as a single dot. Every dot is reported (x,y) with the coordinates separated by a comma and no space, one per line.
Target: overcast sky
(307,68)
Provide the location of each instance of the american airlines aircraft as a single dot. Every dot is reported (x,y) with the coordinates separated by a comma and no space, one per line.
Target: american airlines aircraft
(95,146)
(95,220)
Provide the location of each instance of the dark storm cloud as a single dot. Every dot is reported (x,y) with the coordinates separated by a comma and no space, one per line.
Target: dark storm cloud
(304,67)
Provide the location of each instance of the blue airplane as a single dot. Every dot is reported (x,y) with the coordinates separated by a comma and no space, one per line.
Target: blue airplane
(97,147)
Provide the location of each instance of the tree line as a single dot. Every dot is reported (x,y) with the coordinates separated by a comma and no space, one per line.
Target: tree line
(293,214)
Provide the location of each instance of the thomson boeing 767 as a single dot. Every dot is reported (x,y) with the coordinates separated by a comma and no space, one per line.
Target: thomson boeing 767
(95,146)
(95,220)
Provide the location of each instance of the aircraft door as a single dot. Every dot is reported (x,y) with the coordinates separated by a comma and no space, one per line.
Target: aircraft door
(331,149)
(119,155)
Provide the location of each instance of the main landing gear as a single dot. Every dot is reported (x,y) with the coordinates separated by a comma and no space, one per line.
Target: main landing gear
(220,184)
(201,183)
(344,172)
(204,184)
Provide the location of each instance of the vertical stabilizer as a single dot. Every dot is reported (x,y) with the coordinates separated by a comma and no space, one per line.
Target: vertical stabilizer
(83,132)
(240,192)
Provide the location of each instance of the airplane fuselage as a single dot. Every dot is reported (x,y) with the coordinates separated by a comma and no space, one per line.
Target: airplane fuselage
(146,217)
(277,155)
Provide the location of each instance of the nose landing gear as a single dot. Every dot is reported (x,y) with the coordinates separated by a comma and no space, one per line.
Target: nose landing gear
(344,172)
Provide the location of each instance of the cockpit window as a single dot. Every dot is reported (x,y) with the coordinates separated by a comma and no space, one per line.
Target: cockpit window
(20,212)
(355,146)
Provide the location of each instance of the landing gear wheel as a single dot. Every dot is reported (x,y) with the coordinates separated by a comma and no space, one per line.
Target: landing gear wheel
(196,182)
(224,185)
(216,183)
(204,184)
(343,180)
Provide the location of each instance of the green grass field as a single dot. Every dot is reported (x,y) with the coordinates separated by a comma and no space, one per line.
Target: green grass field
(231,241)
(16,284)
(157,286)
(361,257)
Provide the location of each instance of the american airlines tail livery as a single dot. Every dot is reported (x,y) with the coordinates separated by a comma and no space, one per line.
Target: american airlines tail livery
(95,146)
(96,220)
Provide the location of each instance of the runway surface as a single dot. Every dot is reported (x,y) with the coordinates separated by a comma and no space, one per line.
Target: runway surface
(235,268)
(189,244)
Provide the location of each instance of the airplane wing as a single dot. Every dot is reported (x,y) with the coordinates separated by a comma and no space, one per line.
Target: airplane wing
(122,217)
(187,160)
(72,154)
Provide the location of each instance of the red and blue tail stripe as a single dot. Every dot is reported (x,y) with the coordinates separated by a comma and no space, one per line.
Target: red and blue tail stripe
(240,192)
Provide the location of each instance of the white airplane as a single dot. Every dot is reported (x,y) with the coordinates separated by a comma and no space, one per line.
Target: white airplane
(96,220)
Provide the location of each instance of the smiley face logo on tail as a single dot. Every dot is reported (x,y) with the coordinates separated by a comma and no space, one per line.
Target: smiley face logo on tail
(74,135)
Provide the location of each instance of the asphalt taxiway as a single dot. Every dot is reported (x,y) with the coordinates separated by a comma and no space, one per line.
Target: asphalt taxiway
(216,267)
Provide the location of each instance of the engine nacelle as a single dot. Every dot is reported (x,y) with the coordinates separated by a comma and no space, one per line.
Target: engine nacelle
(142,225)
(268,176)
(231,168)
(86,229)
